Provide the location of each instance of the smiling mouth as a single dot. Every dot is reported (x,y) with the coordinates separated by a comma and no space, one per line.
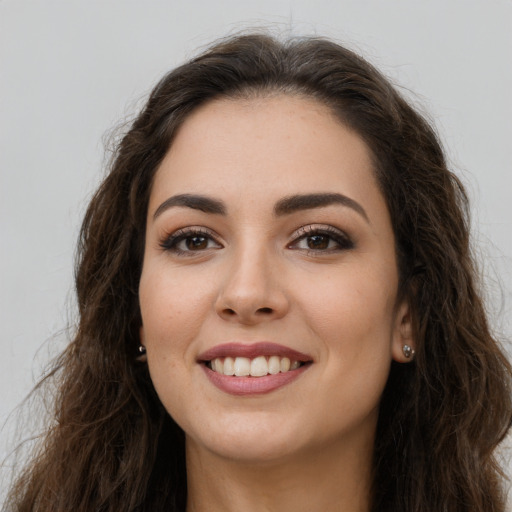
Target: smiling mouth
(253,369)
(259,366)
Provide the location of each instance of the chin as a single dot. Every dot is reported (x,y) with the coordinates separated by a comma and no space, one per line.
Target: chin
(257,440)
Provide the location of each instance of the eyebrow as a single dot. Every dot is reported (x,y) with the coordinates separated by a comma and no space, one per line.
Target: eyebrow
(285,206)
(299,202)
(196,202)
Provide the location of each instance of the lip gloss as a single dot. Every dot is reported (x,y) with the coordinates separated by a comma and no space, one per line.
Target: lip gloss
(245,386)
(252,350)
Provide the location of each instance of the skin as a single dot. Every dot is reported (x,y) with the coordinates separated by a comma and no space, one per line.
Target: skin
(258,277)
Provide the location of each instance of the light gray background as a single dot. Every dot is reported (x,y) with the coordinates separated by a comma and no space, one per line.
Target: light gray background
(70,70)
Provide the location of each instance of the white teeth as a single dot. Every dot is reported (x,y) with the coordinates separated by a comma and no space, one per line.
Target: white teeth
(285,364)
(229,366)
(242,366)
(274,365)
(294,365)
(257,367)
(217,365)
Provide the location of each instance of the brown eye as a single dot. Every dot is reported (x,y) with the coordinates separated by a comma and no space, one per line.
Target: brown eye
(196,243)
(318,242)
(321,239)
(189,240)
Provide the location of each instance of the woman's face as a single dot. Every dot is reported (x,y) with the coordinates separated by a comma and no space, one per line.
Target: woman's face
(270,254)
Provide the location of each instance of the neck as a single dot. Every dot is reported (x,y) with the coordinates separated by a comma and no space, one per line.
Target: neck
(333,479)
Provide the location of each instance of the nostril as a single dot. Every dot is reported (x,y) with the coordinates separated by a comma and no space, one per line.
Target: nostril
(247,314)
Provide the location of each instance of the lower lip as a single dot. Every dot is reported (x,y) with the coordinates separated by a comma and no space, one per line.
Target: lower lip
(245,386)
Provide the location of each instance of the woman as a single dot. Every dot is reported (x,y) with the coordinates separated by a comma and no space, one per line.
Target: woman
(277,305)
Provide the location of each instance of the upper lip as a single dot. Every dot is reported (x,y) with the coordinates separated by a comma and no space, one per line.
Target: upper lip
(252,350)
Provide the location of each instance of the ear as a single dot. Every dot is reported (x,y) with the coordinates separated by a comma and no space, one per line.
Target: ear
(404,344)
(142,357)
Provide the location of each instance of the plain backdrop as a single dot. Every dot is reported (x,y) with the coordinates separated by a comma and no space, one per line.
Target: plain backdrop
(71,70)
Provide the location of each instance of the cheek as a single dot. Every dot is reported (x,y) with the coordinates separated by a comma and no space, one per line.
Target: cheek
(355,306)
(353,318)
(172,312)
(172,302)
(171,317)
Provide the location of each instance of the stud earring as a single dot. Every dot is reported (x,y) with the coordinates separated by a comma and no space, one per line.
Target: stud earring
(142,354)
(408,351)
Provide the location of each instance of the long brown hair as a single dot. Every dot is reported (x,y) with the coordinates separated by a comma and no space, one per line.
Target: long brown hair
(113,446)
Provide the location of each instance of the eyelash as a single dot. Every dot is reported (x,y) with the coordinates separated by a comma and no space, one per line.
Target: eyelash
(171,242)
(341,239)
(343,242)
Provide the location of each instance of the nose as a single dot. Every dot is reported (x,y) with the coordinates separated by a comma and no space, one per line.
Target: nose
(252,290)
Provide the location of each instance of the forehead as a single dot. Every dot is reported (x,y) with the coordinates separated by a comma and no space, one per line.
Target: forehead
(265,147)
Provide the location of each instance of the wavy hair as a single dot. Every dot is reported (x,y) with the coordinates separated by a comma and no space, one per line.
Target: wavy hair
(113,446)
